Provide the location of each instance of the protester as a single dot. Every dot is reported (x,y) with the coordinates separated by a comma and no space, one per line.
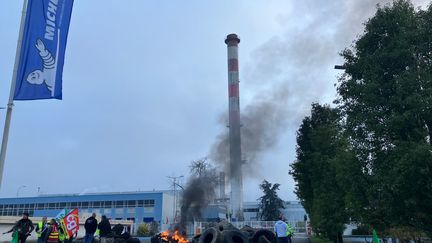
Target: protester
(62,235)
(281,229)
(52,232)
(41,229)
(290,232)
(90,227)
(104,229)
(23,227)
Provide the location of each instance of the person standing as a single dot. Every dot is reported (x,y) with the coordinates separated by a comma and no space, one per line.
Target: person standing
(104,229)
(41,229)
(23,227)
(280,229)
(290,232)
(52,232)
(90,227)
(62,235)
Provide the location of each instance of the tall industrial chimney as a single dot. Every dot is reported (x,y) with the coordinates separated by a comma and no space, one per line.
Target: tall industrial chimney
(236,178)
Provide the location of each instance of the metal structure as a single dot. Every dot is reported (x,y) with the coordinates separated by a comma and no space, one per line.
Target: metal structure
(236,177)
(11,94)
(175,184)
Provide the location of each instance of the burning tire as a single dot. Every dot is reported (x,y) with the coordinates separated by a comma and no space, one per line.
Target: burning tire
(211,235)
(234,236)
(263,232)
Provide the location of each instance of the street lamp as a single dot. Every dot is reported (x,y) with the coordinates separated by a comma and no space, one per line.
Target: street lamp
(19,188)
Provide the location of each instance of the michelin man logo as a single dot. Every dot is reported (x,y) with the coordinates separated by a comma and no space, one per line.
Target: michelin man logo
(48,73)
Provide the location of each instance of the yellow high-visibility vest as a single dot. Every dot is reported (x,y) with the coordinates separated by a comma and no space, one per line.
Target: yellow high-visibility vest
(39,232)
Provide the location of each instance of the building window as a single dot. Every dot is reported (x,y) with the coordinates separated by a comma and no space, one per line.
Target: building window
(119,204)
(131,203)
(148,220)
(149,203)
(84,205)
(108,204)
(96,204)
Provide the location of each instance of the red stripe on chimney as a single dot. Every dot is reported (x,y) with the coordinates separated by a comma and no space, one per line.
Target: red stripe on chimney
(233,65)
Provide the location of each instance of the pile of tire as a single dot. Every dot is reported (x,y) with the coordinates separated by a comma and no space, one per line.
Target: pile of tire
(227,233)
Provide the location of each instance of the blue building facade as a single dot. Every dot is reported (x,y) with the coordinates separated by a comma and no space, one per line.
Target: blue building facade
(136,206)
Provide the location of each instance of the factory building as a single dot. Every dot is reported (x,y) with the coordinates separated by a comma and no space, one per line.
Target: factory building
(138,207)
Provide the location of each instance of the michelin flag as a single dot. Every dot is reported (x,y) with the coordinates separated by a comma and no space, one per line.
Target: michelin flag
(39,74)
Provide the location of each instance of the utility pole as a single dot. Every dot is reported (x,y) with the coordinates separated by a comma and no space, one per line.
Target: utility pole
(175,184)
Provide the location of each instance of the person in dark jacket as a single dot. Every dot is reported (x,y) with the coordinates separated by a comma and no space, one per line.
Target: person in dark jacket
(24,227)
(104,229)
(90,228)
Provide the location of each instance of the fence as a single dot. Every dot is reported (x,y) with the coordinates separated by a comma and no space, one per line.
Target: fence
(198,227)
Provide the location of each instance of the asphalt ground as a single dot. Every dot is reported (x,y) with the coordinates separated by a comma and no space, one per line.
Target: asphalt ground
(300,239)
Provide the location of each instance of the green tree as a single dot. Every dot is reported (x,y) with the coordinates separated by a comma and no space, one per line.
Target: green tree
(270,203)
(320,148)
(143,230)
(385,96)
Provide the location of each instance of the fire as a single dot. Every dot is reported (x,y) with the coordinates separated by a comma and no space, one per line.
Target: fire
(171,237)
(164,235)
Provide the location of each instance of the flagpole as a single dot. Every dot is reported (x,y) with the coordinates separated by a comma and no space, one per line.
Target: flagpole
(12,92)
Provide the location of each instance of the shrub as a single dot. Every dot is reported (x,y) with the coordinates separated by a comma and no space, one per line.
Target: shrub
(143,230)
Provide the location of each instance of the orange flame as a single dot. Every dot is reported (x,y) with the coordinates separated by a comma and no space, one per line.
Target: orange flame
(164,235)
(179,238)
(175,237)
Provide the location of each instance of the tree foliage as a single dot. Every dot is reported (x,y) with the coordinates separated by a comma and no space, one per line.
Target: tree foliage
(270,203)
(378,153)
(386,100)
(320,146)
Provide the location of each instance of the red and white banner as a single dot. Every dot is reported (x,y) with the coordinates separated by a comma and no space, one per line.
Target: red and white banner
(71,222)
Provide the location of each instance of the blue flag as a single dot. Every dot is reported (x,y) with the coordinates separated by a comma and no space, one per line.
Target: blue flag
(40,67)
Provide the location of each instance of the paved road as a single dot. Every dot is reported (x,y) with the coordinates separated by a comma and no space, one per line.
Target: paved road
(300,239)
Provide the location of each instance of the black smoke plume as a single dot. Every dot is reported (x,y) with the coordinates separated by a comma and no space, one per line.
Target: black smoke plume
(199,191)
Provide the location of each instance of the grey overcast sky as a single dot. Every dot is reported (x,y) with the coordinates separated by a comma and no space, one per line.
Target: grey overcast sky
(145,90)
